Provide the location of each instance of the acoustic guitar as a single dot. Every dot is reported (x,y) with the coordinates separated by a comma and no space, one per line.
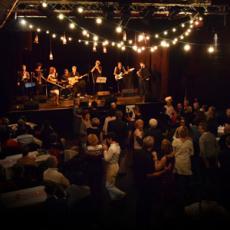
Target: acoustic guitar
(73,80)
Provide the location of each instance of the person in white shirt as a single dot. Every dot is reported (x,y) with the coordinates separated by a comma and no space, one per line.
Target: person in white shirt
(183,150)
(111,156)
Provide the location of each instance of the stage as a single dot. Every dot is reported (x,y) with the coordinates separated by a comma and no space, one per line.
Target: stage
(40,109)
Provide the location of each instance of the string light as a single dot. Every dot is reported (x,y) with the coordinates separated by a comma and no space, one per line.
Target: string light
(23,22)
(99,21)
(187,47)
(211,49)
(61,16)
(39,30)
(118,29)
(182,25)
(86,42)
(54,35)
(156,35)
(174,30)
(130,42)
(113,44)
(165,32)
(80,10)
(47,31)
(95,38)
(72,25)
(31,26)
(44,4)
(70,39)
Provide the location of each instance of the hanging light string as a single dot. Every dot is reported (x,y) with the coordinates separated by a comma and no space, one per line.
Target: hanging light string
(164,42)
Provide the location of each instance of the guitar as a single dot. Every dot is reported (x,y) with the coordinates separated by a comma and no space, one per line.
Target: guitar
(53,82)
(73,80)
(121,75)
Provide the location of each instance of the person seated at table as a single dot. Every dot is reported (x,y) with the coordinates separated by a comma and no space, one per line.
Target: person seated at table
(26,160)
(74,192)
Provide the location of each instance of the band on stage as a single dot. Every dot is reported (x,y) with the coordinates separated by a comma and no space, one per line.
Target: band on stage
(73,84)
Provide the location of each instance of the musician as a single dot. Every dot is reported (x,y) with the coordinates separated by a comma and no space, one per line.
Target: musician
(119,72)
(53,80)
(38,77)
(65,77)
(74,72)
(79,83)
(144,77)
(23,77)
(96,72)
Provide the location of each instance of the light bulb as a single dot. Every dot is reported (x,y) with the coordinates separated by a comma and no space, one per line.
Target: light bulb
(118,29)
(187,47)
(99,21)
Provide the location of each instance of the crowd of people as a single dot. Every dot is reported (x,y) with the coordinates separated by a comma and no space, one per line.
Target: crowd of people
(178,158)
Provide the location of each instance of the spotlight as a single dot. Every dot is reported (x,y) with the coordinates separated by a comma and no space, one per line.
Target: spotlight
(118,29)
(72,25)
(61,16)
(99,21)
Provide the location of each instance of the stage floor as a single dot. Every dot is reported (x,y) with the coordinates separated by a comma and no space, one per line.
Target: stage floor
(41,104)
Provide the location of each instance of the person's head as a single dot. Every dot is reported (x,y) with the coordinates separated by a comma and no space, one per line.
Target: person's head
(196,105)
(182,122)
(119,64)
(186,103)
(110,138)
(95,122)
(148,142)
(86,115)
(153,123)
(66,71)
(227,112)
(52,162)
(136,109)
(24,67)
(52,70)
(92,139)
(97,63)
(74,68)
(179,106)
(182,132)
(202,127)
(166,147)
(168,100)
(142,64)
(113,105)
(118,115)
(139,124)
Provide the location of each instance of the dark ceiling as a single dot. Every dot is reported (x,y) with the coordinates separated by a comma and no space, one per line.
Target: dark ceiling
(122,9)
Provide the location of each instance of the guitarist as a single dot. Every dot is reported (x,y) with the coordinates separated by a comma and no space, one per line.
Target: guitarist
(77,82)
(119,72)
